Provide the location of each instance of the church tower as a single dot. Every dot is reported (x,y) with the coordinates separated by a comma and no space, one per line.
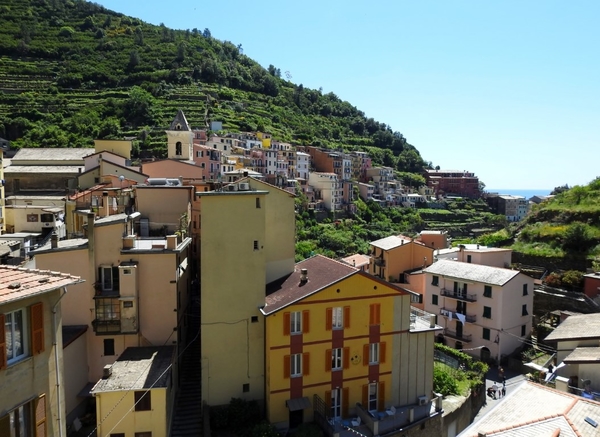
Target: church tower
(180,139)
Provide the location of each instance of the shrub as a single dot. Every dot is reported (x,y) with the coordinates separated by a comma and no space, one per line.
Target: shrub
(572,279)
(443,382)
(66,31)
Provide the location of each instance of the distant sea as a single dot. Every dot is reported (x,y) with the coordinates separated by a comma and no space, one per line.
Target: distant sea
(527,194)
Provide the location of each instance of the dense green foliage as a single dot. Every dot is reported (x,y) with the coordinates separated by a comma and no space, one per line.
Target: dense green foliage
(72,71)
(443,382)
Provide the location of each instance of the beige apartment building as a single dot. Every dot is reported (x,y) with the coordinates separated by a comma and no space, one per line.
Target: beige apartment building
(31,356)
(487,310)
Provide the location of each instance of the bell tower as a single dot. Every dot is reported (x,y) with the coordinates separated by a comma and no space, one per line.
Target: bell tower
(180,138)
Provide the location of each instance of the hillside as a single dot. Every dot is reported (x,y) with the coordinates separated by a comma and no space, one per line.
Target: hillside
(72,71)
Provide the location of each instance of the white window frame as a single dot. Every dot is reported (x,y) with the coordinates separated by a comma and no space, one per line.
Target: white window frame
(374,353)
(337,358)
(296,365)
(10,335)
(296,322)
(337,318)
(103,270)
(336,403)
(372,397)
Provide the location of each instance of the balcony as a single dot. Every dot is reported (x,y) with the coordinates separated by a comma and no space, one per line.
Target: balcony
(106,326)
(465,338)
(469,318)
(380,262)
(458,295)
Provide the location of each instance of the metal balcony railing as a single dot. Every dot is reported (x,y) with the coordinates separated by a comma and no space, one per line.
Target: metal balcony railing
(469,318)
(459,295)
(458,335)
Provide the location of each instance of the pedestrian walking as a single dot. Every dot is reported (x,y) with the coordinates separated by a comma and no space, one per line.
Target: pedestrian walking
(503,390)
(495,389)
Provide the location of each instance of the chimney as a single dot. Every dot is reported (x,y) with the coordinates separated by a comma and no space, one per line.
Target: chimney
(107,371)
(54,240)
(303,276)
(171,242)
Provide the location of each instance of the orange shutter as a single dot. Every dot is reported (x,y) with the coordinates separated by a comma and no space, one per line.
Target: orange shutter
(328,318)
(382,352)
(286,323)
(328,399)
(346,317)
(286,366)
(305,324)
(345,396)
(328,359)
(365,396)
(346,357)
(381,396)
(305,364)
(2,343)
(40,416)
(366,354)
(37,328)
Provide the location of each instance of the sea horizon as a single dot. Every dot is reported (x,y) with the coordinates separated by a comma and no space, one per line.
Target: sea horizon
(527,193)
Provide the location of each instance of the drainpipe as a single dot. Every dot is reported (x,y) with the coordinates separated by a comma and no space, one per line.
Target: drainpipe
(56,369)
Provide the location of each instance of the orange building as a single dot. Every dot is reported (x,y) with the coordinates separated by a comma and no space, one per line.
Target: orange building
(341,343)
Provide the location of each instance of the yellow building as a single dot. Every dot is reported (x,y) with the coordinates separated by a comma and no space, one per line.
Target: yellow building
(265,139)
(247,240)
(392,257)
(135,396)
(343,343)
(31,354)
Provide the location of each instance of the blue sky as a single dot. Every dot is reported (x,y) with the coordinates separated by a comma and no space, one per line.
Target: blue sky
(509,90)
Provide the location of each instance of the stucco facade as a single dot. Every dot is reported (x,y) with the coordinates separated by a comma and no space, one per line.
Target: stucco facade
(393,256)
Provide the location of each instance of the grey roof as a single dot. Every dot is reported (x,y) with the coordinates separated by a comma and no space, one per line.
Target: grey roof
(138,368)
(74,169)
(471,272)
(63,245)
(534,410)
(572,328)
(54,154)
(583,355)
(180,121)
(389,242)
(111,219)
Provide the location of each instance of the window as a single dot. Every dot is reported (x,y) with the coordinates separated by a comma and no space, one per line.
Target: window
(178,148)
(336,359)
(487,291)
(460,288)
(108,277)
(336,403)
(372,401)
(143,434)
(435,280)
(468,258)
(524,311)
(487,312)
(143,400)
(523,330)
(258,202)
(374,353)
(337,318)
(255,244)
(525,293)
(296,365)
(15,335)
(245,388)
(254,319)
(109,346)
(296,322)
(434,299)
(486,333)
(18,422)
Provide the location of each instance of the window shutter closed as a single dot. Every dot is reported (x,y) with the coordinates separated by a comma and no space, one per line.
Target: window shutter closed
(365,396)
(328,319)
(374,314)
(346,357)
(382,352)
(2,343)
(305,364)
(286,366)
(40,416)
(305,324)
(286,323)
(366,354)
(346,317)
(328,360)
(345,393)
(381,396)
(115,278)
(37,328)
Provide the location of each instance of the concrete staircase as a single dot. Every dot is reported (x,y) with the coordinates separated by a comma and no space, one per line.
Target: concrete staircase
(187,420)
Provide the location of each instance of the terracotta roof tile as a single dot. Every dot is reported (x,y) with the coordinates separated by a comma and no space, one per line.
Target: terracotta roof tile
(19,283)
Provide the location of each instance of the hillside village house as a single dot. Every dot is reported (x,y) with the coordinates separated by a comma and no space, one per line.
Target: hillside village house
(482,308)
(346,346)
(453,182)
(392,258)
(31,353)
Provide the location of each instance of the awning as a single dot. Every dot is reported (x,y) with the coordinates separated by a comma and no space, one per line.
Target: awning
(298,404)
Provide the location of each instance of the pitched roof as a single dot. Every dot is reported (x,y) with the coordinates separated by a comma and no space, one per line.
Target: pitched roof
(138,368)
(471,272)
(571,328)
(53,153)
(180,122)
(74,169)
(390,242)
(357,260)
(535,410)
(322,272)
(581,355)
(19,283)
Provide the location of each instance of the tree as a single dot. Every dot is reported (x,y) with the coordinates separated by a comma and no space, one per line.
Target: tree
(559,189)
(139,36)
(206,33)
(578,238)
(134,58)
